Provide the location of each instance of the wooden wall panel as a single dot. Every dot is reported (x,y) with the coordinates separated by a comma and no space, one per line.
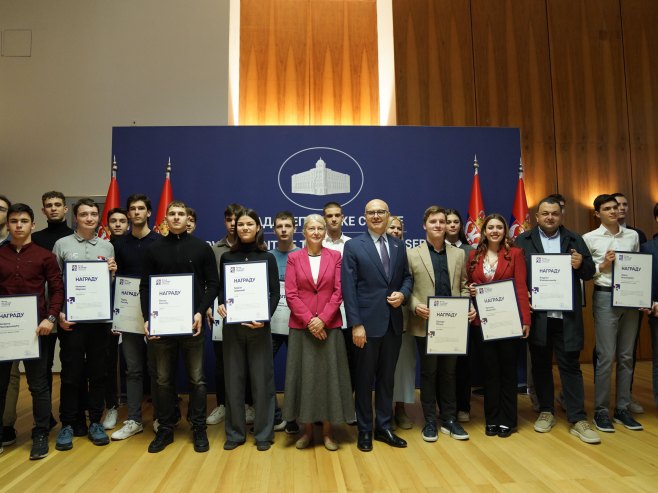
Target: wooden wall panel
(589,101)
(274,81)
(308,62)
(344,63)
(513,84)
(434,62)
(641,64)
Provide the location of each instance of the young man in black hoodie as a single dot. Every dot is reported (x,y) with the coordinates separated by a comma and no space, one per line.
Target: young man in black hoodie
(180,253)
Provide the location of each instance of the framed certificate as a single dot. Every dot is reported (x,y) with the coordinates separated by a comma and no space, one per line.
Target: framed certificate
(171,305)
(498,310)
(551,282)
(247,292)
(127,311)
(447,325)
(88,287)
(218,323)
(280,323)
(631,280)
(19,319)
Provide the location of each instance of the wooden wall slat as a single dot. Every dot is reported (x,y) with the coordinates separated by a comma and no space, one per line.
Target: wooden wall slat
(589,101)
(344,63)
(274,62)
(641,70)
(434,62)
(513,84)
(641,64)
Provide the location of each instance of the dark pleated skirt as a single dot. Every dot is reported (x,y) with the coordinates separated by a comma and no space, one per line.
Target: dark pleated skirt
(318,384)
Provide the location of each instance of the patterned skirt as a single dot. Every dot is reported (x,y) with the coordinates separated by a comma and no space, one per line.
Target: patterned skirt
(318,384)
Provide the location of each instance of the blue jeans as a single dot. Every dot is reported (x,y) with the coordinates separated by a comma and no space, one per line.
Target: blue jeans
(165,353)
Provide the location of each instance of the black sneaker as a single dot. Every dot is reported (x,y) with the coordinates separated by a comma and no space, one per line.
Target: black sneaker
(8,435)
(603,423)
(623,417)
(39,447)
(292,428)
(454,429)
(429,433)
(263,446)
(200,438)
(162,438)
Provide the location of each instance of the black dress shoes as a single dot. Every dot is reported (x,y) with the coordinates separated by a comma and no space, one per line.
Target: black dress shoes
(387,436)
(491,430)
(364,442)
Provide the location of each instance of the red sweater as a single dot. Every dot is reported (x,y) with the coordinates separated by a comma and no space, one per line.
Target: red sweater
(27,271)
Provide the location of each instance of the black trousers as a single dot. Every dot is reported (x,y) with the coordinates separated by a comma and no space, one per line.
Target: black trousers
(87,341)
(499,359)
(437,383)
(570,373)
(376,361)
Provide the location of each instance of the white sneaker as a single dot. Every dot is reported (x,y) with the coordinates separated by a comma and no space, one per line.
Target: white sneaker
(156,425)
(128,429)
(110,420)
(249,414)
(217,415)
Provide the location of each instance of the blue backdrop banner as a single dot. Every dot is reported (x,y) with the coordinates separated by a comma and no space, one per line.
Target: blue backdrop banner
(299,169)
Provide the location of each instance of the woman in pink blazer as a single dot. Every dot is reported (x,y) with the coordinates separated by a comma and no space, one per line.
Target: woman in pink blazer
(318,384)
(495,260)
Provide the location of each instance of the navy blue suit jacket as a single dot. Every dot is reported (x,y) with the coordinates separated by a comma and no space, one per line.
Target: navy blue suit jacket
(365,285)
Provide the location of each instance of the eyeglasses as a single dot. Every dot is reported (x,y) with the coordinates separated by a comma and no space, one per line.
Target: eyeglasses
(380,212)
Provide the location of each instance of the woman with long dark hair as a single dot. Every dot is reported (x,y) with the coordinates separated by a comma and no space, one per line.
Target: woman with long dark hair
(249,344)
(496,260)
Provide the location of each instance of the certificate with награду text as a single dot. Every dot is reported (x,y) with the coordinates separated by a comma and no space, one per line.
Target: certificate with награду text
(498,310)
(247,292)
(551,282)
(171,305)
(127,311)
(631,280)
(19,319)
(88,287)
(447,325)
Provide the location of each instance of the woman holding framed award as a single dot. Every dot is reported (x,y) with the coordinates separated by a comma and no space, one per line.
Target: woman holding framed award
(249,293)
(318,384)
(495,260)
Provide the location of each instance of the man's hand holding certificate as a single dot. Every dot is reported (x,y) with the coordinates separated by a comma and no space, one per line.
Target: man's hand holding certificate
(87,287)
(631,280)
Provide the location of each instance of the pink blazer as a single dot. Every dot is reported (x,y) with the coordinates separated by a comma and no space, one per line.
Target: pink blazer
(308,299)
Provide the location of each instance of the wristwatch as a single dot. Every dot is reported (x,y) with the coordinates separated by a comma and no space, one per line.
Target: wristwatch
(52,319)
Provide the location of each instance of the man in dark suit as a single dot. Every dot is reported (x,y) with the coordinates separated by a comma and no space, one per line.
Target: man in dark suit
(376,282)
(558,331)
(652,248)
